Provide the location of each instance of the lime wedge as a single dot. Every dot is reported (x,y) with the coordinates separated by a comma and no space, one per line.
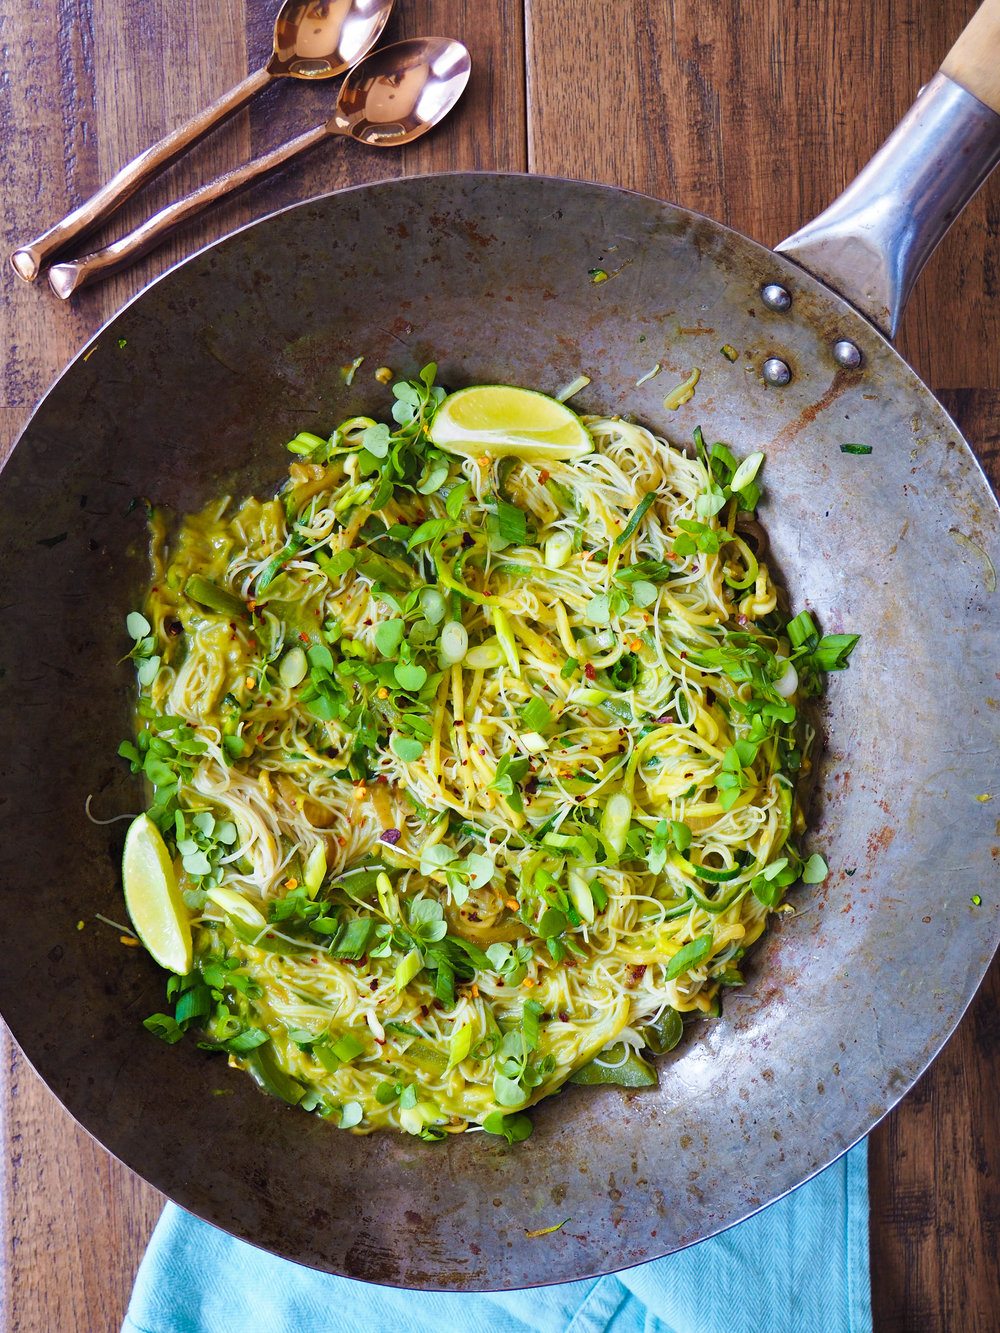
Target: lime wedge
(495,419)
(153,897)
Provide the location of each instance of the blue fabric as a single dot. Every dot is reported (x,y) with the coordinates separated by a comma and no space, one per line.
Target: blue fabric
(800,1266)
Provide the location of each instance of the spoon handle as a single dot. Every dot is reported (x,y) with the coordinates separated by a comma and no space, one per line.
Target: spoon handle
(29,259)
(70,276)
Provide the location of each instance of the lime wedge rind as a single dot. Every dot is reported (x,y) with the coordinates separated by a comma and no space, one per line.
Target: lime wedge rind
(153,897)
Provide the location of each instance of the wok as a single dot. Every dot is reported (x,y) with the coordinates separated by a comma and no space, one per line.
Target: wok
(194,388)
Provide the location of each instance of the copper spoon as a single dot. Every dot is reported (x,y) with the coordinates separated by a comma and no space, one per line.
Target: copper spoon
(313,39)
(389,99)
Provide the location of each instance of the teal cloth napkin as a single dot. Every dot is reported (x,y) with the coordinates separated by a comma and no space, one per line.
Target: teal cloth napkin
(800,1266)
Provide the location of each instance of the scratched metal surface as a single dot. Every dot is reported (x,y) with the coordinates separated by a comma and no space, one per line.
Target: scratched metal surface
(196,386)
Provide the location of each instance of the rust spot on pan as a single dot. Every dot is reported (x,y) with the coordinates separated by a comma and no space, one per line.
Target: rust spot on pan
(808,415)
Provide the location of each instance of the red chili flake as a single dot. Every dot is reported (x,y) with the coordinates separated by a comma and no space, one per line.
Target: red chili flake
(563,1016)
(590,671)
(682,656)
(741,619)
(303,636)
(543,476)
(260,736)
(390,835)
(368,622)
(459,722)
(634,973)
(373,984)
(482,751)
(665,720)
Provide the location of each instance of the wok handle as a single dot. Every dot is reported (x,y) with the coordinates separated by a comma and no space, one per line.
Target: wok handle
(974,60)
(872,242)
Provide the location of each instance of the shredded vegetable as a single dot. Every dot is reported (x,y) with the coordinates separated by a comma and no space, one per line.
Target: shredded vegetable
(480,772)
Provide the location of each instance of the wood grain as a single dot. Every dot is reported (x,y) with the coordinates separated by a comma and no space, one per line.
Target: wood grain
(755,115)
(758,115)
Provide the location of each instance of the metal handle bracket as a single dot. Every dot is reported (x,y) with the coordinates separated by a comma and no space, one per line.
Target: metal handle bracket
(872,242)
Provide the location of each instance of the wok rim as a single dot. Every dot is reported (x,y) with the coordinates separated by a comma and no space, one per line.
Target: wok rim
(892,1096)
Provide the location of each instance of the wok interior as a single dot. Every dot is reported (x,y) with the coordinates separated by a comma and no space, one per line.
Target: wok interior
(194,389)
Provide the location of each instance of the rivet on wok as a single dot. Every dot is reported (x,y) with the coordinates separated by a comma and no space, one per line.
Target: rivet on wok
(846,354)
(776,297)
(776,372)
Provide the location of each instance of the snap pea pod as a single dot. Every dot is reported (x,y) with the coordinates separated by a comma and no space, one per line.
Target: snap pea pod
(630,1071)
(263,1068)
(213,598)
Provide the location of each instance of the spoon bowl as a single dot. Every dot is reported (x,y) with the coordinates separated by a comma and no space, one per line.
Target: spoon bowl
(396,94)
(313,39)
(319,39)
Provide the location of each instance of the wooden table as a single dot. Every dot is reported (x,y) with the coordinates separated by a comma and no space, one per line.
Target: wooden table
(755,115)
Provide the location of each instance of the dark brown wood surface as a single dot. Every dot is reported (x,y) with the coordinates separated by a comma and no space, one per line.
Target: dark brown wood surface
(754,114)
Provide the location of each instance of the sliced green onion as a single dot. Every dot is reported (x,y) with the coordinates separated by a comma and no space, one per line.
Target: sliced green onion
(485,655)
(508,643)
(454,643)
(408,969)
(536,714)
(315,868)
(583,899)
(569,390)
(557,550)
(616,820)
(533,741)
(305,443)
(459,1046)
(788,682)
(238,907)
(746,471)
(689,956)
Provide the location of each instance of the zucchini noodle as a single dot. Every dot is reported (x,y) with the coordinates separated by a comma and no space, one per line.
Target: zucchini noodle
(479,772)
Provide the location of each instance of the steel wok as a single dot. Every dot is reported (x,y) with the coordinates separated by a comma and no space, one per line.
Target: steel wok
(194,388)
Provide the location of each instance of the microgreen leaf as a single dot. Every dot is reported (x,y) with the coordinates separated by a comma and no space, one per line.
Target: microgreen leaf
(405,748)
(388,637)
(410,676)
(815,870)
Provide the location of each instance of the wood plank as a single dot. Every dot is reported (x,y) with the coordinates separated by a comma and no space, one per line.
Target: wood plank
(753,115)
(86,99)
(933,1164)
(758,116)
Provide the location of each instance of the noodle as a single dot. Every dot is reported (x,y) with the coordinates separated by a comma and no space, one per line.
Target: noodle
(466,873)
